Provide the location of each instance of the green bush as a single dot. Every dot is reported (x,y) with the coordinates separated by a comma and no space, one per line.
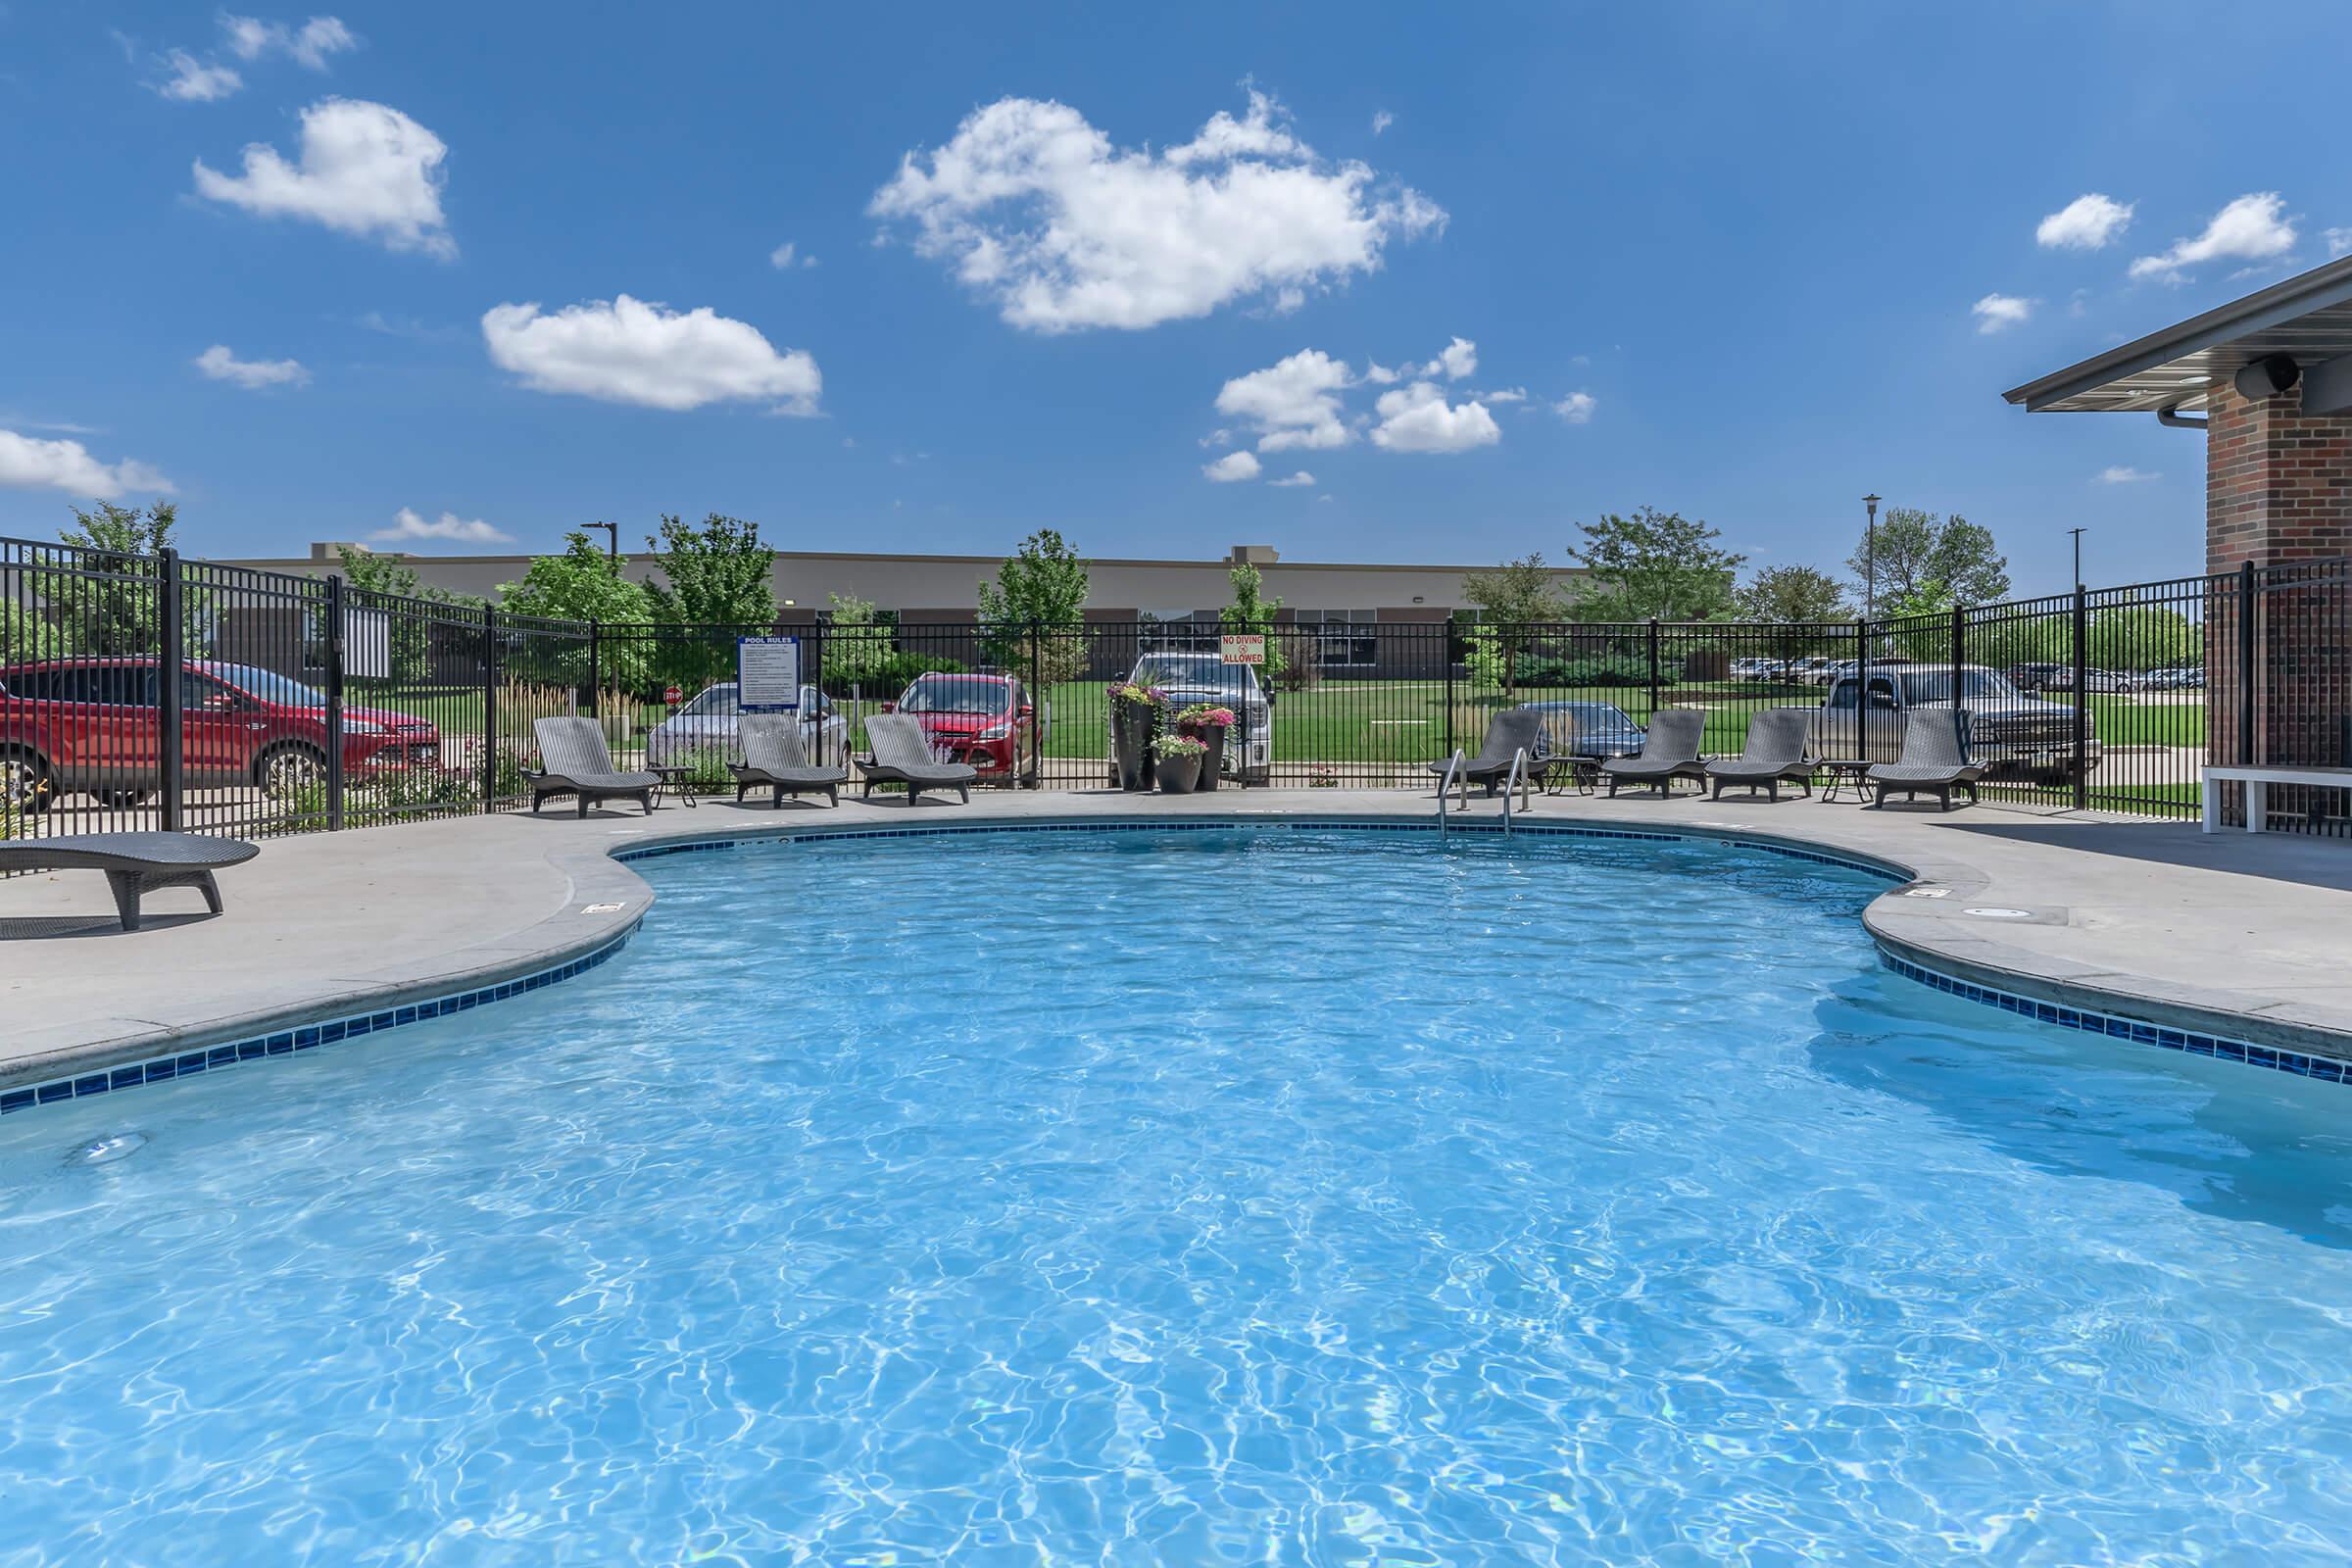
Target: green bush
(888,676)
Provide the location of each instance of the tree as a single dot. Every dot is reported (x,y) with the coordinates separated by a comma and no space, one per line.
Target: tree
(1252,612)
(1042,585)
(584,583)
(1925,613)
(410,633)
(716,574)
(1911,548)
(1512,600)
(1654,565)
(115,612)
(2143,637)
(1794,596)
(857,644)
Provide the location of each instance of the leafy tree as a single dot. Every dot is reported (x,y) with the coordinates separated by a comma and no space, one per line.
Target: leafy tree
(1925,613)
(584,583)
(1044,585)
(1793,595)
(1912,548)
(1654,564)
(1513,601)
(857,643)
(716,574)
(411,634)
(2147,637)
(114,613)
(1252,612)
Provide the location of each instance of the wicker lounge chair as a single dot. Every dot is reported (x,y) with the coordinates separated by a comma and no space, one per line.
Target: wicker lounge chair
(901,756)
(1935,760)
(1508,733)
(574,762)
(774,757)
(1774,754)
(134,863)
(1669,750)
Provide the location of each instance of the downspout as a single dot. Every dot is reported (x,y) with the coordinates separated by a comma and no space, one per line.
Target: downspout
(2170,414)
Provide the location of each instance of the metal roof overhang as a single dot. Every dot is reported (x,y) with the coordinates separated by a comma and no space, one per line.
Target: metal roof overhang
(2308,316)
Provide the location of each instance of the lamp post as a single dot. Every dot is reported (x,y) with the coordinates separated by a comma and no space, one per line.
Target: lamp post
(611,540)
(1870,559)
(2077,533)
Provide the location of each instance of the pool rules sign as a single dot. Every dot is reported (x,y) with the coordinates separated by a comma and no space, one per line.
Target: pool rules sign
(768,675)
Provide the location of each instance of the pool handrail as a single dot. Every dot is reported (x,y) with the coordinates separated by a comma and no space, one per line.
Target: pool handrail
(1516,780)
(1454,769)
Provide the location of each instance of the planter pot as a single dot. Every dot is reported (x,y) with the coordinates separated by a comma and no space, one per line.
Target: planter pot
(1178,774)
(1212,762)
(1131,740)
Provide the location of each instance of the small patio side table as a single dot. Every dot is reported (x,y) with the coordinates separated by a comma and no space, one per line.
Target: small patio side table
(673,785)
(1845,770)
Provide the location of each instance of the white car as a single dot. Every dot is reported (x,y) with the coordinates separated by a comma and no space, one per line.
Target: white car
(706,724)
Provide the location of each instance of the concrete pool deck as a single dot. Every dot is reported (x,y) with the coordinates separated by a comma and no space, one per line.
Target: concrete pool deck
(2236,934)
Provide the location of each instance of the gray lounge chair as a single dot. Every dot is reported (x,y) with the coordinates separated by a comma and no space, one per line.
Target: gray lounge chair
(1774,754)
(574,762)
(134,863)
(1508,733)
(1935,760)
(773,755)
(902,756)
(1669,750)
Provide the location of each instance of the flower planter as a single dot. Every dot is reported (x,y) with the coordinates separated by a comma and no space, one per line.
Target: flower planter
(1212,762)
(1178,776)
(1131,737)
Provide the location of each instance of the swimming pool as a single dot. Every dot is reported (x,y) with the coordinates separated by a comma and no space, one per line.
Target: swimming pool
(1290,1196)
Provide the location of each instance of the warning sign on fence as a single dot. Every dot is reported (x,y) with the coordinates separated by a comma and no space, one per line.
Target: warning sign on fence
(1243,647)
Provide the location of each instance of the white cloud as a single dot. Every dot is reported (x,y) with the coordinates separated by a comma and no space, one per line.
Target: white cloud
(250,38)
(629,351)
(2085,223)
(1374,371)
(1381,119)
(1577,407)
(1995,313)
(2125,476)
(2339,240)
(1301,477)
(787,255)
(1232,466)
(365,170)
(2254,227)
(220,365)
(1217,438)
(1038,210)
(195,81)
(1508,394)
(1459,359)
(409,524)
(1293,404)
(27,463)
(1320,499)
(1418,418)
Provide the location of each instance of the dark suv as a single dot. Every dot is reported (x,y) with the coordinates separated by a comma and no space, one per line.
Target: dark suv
(90,726)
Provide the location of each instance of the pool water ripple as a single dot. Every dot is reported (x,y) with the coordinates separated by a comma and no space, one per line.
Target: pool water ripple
(1286,1198)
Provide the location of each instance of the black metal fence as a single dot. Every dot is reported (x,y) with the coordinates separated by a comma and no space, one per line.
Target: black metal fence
(304,704)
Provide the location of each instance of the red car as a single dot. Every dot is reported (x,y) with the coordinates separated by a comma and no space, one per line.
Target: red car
(985,720)
(89,725)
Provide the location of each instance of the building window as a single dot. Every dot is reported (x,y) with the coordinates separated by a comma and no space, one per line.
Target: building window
(1345,639)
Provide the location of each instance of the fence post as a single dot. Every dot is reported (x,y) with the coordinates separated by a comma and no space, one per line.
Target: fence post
(334,701)
(1960,714)
(813,672)
(489,712)
(1039,716)
(2082,640)
(1445,656)
(1653,666)
(595,683)
(171,672)
(2246,643)
(1861,688)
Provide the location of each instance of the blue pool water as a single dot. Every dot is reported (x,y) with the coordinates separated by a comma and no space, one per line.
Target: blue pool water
(1205,1197)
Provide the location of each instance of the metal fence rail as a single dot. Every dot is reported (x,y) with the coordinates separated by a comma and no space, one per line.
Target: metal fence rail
(303,704)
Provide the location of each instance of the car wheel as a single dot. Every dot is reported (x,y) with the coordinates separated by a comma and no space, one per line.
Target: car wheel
(26,783)
(288,770)
(125,800)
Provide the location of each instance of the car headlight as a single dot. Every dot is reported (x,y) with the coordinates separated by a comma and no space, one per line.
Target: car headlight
(365,726)
(993,732)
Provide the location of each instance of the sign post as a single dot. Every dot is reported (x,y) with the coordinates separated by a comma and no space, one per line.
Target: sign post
(1246,648)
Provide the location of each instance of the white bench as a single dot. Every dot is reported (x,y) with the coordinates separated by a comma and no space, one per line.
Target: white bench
(2258,782)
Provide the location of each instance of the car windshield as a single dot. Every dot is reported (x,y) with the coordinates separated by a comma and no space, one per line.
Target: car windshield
(267,685)
(718,702)
(933,695)
(1921,686)
(1197,675)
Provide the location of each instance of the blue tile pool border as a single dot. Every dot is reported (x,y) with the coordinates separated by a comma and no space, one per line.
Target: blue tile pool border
(290,1039)
(2138,1031)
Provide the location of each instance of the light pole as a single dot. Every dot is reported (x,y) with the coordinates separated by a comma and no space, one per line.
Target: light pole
(1870,559)
(611,540)
(2077,533)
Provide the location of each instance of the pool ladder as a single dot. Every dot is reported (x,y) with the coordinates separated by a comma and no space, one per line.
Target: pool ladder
(1457,769)
(1454,769)
(1516,781)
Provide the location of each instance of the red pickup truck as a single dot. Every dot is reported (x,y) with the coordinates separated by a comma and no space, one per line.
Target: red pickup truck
(90,726)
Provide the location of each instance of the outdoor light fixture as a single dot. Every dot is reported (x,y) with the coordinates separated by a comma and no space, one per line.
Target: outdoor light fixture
(1870,558)
(2268,376)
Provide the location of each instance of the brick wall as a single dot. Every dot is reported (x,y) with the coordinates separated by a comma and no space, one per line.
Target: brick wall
(2278,485)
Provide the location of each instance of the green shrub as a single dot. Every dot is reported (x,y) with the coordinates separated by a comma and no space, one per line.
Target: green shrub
(884,678)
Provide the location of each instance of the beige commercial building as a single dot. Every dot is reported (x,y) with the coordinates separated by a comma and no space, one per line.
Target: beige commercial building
(945,588)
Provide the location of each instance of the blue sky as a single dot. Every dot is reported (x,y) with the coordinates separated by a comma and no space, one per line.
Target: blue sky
(1731,255)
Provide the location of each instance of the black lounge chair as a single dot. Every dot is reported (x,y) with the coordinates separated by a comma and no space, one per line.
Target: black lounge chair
(773,755)
(1774,754)
(1669,750)
(902,756)
(1935,760)
(573,760)
(1508,733)
(134,863)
